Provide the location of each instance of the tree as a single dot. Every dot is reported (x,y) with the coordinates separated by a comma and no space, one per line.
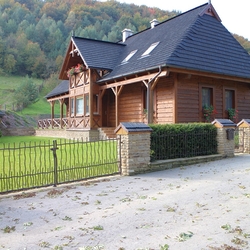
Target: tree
(25,94)
(9,64)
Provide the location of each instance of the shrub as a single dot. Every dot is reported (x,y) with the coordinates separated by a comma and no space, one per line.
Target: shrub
(171,141)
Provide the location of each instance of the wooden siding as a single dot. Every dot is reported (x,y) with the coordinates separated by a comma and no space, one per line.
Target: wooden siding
(130,103)
(164,101)
(189,107)
(243,100)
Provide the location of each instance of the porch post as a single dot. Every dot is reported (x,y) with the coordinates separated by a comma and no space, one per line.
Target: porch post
(61,112)
(116,107)
(90,100)
(52,104)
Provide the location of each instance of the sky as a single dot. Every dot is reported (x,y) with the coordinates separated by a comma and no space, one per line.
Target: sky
(234,14)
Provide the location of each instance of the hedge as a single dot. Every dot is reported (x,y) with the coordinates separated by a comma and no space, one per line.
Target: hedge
(171,141)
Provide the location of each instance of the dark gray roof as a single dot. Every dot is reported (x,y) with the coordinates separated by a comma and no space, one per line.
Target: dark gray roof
(98,54)
(224,122)
(134,127)
(244,121)
(60,89)
(189,41)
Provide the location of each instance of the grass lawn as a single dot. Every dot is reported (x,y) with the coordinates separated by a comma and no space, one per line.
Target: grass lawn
(24,139)
(28,162)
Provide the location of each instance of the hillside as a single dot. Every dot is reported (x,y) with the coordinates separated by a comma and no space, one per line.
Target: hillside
(35,34)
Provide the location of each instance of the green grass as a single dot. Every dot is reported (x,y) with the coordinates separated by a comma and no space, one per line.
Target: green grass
(28,162)
(8,85)
(40,107)
(23,139)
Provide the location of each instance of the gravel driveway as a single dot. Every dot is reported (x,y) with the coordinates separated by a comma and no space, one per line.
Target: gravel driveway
(205,206)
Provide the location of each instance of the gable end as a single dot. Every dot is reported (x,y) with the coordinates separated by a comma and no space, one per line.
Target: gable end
(210,10)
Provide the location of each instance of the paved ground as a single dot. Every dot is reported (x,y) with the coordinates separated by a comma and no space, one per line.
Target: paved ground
(205,206)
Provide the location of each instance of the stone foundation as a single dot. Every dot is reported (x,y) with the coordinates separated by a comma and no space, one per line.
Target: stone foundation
(21,131)
(88,135)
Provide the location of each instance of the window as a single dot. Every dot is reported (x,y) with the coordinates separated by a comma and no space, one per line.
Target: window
(150,49)
(207,97)
(129,56)
(79,106)
(229,99)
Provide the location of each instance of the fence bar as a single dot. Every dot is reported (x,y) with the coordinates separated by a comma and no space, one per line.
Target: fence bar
(55,162)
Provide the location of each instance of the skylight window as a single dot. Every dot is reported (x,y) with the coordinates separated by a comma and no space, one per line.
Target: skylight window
(129,56)
(150,49)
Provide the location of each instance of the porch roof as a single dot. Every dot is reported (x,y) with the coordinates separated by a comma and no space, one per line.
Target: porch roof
(62,88)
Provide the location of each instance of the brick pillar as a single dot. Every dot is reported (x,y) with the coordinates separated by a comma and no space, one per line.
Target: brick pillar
(225,136)
(135,153)
(225,146)
(135,147)
(244,135)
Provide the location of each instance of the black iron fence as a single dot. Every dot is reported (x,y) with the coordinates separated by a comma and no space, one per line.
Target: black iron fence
(31,165)
(181,145)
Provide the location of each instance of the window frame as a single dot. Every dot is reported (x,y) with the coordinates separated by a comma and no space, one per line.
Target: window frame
(202,86)
(79,98)
(150,49)
(234,101)
(129,56)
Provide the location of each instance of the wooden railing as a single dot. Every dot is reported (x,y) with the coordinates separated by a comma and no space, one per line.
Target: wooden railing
(53,123)
(83,122)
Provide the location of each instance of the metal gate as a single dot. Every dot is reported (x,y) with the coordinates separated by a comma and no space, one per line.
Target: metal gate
(33,165)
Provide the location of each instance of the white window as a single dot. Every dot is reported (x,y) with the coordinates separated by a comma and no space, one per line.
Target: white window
(79,106)
(129,56)
(150,49)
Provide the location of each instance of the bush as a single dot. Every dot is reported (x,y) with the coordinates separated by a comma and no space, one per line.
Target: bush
(171,141)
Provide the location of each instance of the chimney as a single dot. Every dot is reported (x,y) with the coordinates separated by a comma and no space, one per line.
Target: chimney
(126,33)
(154,22)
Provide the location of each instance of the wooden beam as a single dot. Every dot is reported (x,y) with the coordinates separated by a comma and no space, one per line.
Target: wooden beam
(175,103)
(52,105)
(61,112)
(116,107)
(120,90)
(102,92)
(91,108)
(207,74)
(58,98)
(145,83)
(153,85)
(133,80)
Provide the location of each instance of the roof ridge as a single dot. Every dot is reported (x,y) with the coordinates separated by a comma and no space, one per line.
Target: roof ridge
(167,20)
(95,40)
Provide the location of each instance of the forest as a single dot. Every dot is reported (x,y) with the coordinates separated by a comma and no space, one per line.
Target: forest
(34,34)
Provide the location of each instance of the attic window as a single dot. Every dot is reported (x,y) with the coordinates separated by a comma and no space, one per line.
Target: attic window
(150,49)
(129,56)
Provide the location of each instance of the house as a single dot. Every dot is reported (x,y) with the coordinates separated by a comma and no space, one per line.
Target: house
(167,73)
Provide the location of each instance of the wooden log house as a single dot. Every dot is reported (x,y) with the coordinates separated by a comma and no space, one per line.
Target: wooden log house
(168,73)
